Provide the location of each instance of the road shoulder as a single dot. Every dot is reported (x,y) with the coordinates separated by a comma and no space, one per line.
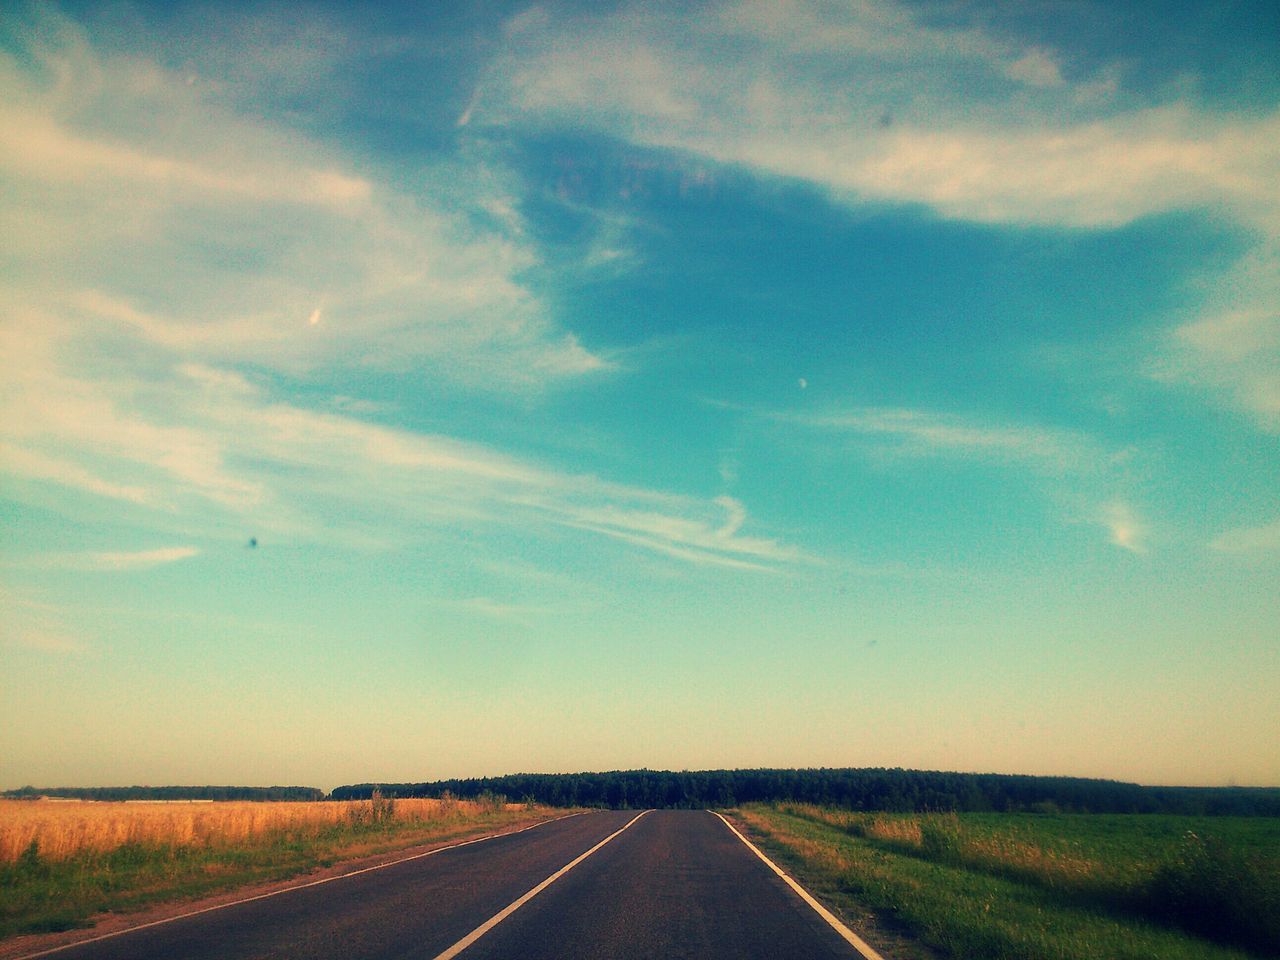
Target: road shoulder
(881,933)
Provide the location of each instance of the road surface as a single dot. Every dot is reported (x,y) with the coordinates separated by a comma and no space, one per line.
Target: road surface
(662,884)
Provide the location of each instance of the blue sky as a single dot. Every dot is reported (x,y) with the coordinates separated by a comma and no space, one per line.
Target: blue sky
(738,384)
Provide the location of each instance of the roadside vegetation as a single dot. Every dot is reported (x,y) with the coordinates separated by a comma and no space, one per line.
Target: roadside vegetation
(1044,887)
(63,862)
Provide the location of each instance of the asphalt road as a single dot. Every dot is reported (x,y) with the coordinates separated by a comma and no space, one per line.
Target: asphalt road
(671,884)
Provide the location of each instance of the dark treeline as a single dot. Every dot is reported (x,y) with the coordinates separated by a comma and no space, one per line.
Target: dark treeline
(856,789)
(170,793)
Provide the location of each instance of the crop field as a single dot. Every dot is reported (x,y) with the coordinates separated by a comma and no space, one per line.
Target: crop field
(63,862)
(62,829)
(1030,886)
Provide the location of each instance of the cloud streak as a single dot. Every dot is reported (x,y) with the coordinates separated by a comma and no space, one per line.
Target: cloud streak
(921,433)
(239,452)
(122,561)
(1071,465)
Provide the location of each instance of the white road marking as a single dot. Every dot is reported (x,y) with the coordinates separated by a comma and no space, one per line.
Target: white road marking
(497,918)
(301,886)
(854,940)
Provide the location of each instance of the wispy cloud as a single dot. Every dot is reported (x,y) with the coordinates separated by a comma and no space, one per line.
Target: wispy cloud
(30,624)
(34,465)
(697,540)
(756,85)
(176,245)
(1234,354)
(207,439)
(43,641)
(151,209)
(1069,466)
(1260,540)
(122,560)
(928,433)
(1036,67)
(1125,530)
(498,610)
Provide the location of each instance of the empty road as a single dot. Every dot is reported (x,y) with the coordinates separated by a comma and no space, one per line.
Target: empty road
(666,883)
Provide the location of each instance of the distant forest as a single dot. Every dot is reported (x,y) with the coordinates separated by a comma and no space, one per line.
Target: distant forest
(169,793)
(856,789)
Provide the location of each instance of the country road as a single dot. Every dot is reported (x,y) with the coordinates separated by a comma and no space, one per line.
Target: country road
(663,883)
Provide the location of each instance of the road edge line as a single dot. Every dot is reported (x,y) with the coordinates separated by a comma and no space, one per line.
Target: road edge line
(300,886)
(515,905)
(855,941)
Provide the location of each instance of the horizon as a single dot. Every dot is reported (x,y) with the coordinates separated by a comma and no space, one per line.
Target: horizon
(570,773)
(720,386)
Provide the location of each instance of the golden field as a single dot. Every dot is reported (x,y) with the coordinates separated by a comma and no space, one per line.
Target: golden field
(62,829)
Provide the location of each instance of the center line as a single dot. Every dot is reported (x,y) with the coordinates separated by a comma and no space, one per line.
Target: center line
(497,918)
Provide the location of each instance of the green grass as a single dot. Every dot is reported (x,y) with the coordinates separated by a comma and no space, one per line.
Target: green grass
(1026,887)
(38,895)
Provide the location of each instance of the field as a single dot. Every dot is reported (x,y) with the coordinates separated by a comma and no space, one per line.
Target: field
(63,862)
(1027,886)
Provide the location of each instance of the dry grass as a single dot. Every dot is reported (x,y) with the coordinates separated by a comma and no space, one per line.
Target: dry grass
(60,830)
(823,855)
(945,837)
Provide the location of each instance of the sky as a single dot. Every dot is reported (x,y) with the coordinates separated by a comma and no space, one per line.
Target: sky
(458,389)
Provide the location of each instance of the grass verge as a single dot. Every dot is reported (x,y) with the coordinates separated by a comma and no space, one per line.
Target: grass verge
(1028,888)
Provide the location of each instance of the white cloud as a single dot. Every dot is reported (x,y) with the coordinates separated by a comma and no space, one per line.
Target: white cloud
(153,205)
(872,103)
(1036,67)
(1100,174)
(33,465)
(796,89)
(49,421)
(38,148)
(177,244)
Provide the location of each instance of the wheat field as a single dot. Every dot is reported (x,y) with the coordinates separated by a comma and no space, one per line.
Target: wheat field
(62,829)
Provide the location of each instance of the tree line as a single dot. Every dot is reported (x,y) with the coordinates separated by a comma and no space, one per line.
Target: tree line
(889,789)
(855,789)
(168,793)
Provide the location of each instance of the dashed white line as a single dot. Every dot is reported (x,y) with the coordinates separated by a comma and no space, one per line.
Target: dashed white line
(511,908)
(853,939)
(300,886)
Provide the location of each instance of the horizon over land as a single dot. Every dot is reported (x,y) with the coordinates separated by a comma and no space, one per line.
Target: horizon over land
(569,387)
(329,790)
